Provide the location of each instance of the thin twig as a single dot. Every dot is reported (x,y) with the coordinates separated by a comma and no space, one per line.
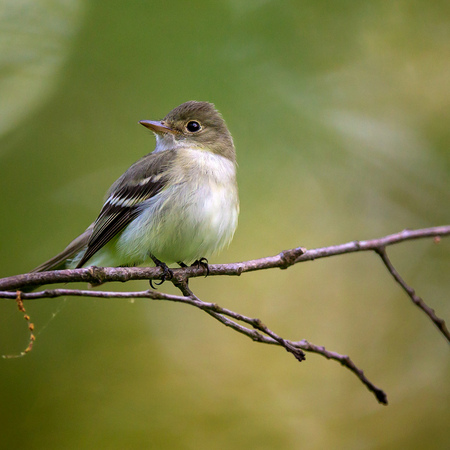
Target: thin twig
(216,311)
(220,314)
(346,362)
(292,347)
(440,323)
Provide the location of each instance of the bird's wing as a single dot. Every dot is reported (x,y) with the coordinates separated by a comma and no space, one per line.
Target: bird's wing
(140,182)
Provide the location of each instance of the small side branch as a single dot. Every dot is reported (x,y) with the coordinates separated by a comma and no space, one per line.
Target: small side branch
(440,323)
(257,333)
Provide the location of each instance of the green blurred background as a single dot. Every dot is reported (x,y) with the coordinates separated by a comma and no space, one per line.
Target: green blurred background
(340,114)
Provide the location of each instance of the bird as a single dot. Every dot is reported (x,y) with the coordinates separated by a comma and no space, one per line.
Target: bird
(177,204)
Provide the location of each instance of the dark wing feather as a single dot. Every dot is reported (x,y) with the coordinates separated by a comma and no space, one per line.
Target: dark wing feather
(118,211)
(140,182)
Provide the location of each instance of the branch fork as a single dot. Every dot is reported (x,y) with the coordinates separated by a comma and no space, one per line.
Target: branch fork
(255,329)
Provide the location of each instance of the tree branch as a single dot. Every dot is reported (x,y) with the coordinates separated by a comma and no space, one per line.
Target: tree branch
(220,314)
(255,329)
(285,259)
(412,294)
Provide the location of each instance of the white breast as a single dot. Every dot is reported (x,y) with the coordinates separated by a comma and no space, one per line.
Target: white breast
(193,218)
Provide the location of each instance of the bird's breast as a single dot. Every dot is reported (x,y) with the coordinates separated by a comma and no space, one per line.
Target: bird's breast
(194,216)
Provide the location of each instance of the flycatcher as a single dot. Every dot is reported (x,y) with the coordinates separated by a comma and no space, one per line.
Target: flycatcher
(178,204)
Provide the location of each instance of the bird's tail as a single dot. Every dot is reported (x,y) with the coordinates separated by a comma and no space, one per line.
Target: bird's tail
(61,260)
(68,257)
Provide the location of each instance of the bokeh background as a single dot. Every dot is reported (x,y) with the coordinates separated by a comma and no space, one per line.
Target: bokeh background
(340,113)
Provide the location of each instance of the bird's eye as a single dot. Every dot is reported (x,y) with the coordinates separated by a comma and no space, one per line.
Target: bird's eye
(193,126)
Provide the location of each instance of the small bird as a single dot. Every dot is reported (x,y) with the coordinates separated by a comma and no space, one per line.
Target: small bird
(178,204)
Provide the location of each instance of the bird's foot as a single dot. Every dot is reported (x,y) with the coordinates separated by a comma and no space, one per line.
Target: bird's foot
(203,262)
(167,273)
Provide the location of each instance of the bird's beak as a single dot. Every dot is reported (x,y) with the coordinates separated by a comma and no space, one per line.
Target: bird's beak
(157,127)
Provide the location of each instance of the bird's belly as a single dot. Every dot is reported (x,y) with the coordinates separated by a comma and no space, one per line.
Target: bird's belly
(183,223)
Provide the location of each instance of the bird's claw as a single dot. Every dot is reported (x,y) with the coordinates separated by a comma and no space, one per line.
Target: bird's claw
(167,273)
(203,262)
